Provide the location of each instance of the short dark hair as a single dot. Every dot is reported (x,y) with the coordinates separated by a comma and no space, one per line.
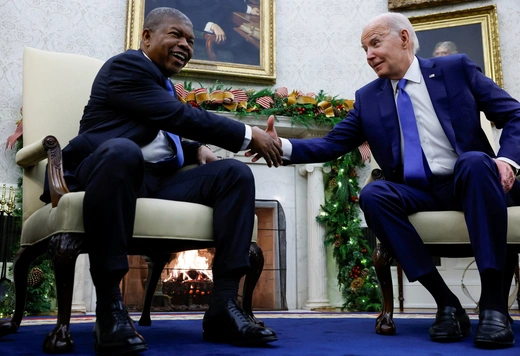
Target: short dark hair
(155,17)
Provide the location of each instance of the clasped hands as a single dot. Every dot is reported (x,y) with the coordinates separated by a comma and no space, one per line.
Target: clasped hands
(266,144)
(507,176)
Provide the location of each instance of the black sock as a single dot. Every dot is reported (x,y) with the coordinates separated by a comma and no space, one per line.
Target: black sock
(224,289)
(107,288)
(492,293)
(443,296)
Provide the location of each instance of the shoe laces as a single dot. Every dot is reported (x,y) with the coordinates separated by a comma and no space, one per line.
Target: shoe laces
(239,312)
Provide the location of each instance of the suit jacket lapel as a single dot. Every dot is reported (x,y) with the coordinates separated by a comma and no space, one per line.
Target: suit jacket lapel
(435,83)
(389,120)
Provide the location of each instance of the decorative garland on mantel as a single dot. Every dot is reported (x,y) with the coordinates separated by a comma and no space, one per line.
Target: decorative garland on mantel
(340,213)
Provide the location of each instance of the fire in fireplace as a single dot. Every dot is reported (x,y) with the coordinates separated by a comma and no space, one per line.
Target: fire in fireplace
(186,281)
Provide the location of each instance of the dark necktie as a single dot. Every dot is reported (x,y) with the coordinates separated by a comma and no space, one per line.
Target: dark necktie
(415,173)
(179,158)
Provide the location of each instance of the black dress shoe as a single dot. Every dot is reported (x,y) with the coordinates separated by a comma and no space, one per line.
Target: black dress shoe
(493,331)
(114,331)
(232,325)
(449,327)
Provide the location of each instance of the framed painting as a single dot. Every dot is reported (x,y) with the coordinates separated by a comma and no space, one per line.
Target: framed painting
(234,39)
(419,4)
(471,31)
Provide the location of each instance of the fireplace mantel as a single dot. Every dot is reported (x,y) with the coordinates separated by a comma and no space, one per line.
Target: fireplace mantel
(283,125)
(300,191)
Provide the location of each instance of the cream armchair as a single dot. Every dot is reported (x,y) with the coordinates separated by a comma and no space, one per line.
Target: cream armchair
(56,87)
(445,235)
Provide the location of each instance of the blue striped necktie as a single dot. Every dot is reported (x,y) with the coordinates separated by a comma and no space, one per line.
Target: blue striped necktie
(179,158)
(415,173)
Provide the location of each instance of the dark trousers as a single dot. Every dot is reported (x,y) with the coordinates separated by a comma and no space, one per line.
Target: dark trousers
(474,188)
(115,175)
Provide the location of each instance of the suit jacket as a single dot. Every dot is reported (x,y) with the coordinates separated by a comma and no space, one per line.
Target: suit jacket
(458,91)
(129,100)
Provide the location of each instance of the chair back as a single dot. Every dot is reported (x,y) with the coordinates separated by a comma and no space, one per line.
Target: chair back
(56,88)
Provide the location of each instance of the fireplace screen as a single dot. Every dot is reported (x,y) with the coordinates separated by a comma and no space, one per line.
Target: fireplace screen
(186,281)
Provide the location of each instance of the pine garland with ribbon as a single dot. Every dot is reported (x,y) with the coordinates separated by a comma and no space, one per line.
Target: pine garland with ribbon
(340,216)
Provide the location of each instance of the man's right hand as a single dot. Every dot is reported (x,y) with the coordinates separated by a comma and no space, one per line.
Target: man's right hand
(266,144)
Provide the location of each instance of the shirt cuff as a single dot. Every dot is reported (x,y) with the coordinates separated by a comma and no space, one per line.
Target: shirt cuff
(286,148)
(208,27)
(511,162)
(249,9)
(247,137)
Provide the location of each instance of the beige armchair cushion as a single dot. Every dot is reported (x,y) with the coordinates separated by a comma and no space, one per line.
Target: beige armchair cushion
(155,218)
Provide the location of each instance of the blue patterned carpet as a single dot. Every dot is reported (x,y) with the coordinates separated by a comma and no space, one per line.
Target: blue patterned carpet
(313,334)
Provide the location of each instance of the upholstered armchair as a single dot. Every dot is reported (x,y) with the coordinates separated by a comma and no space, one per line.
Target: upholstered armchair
(445,235)
(56,87)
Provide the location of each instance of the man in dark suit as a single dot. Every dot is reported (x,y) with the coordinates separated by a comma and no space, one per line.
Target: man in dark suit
(128,147)
(447,164)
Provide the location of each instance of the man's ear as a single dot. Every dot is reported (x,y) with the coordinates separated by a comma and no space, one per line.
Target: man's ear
(405,38)
(146,36)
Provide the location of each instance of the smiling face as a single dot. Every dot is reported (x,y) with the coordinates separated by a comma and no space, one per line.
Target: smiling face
(170,45)
(388,54)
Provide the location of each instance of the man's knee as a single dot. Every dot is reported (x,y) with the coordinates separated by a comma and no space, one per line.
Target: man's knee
(472,161)
(121,153)
(370,194)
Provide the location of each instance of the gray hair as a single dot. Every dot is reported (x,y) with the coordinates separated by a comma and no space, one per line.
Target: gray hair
(397,22)
(449,45)
(155,17)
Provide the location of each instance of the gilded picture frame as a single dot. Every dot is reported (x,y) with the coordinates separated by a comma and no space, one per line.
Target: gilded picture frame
(474,32)
(419,4)
(259,70)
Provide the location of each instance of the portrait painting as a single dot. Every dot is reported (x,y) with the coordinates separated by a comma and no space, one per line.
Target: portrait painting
(234,39)
(471,31)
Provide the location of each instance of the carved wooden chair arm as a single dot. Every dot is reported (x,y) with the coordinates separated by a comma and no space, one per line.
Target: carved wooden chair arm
(49,148)
(57,185)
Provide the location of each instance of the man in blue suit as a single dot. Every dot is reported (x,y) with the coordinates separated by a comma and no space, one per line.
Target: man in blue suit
(129,146)
(458,169)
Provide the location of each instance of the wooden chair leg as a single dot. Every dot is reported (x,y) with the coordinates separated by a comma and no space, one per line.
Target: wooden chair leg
(256,261)
(382,262)
(22,260)
(155,267)
(400,287)
(64,249)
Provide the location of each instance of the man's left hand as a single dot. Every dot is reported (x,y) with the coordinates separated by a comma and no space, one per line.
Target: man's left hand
(205,155)
(507,176)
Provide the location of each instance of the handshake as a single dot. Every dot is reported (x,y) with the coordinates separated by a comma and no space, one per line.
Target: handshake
(266,144)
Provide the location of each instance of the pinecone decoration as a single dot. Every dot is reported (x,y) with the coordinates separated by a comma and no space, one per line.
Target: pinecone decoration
(364,273)
(333,183)
(35,277)
(357,283)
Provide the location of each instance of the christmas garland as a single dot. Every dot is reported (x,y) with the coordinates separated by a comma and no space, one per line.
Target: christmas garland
(340,216)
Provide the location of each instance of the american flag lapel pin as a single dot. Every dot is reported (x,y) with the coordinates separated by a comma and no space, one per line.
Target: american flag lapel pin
(431,76)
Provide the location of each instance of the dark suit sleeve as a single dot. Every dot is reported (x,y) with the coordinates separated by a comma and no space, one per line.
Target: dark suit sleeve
(134,88)
(498,106)
(343,138)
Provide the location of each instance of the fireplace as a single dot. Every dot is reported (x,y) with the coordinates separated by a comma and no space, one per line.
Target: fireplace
(186,281)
